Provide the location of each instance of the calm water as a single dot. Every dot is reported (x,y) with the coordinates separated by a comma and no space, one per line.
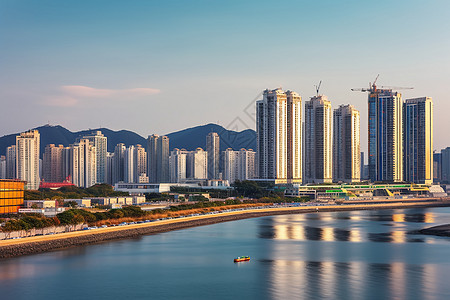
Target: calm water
(344,255)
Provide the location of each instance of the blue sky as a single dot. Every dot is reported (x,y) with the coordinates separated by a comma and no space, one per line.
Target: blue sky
(160,66)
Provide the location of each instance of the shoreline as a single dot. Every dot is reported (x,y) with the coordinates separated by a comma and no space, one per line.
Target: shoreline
(41,244)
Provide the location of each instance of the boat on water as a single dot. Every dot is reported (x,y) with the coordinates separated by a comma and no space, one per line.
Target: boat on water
(242,258)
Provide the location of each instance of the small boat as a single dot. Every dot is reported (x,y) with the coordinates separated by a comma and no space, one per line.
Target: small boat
(242,258)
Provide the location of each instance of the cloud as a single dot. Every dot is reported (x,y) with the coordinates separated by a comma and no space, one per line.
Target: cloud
(71,95)
(89,92)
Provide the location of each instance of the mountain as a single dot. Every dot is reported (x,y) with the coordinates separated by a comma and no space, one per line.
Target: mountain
(194,137)
(189,139)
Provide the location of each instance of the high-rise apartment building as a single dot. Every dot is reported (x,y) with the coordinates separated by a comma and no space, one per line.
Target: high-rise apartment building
(140,162)
(158,159)
(318,140)
(53,163)
(437,168)
(101,145)
(418,140)
(83,160)
(197,164)
(11,162)
(239,165)
(27,158)
(346,145)
(385,135)
(361,164)
(213,149)
(109,168)
(129,164)
(279,136)
(2,167)
(445,165)
(177,165)
(118,164)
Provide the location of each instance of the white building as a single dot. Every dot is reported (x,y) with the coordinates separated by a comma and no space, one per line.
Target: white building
(197,164)
(140,163)
(346,145)
(177,165)
(239,165)
(27,158)
(129,164)
(101,145)
(83,158)
(279,136)
(318,140)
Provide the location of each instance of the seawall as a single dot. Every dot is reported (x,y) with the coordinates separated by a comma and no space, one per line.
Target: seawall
(34,245)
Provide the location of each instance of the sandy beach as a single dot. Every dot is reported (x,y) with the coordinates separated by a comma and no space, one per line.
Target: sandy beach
(39,244)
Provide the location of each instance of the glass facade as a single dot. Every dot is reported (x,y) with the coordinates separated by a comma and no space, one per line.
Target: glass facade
(11,195)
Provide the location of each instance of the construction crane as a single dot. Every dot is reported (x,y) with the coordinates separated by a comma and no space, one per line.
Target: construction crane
(318,88)
(373,87)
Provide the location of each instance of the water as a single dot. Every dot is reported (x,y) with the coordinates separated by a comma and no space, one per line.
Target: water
(342,255)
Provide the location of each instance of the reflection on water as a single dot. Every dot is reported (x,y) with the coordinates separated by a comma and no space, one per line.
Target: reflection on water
(345,228)
(344,255)
(412,217)
(290,279)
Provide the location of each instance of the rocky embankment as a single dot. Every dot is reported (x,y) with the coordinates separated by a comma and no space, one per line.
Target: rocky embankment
(83,238)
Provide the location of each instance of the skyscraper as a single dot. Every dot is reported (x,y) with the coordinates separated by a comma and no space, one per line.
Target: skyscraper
(118,161)
(52,163)
(83,158)
(129,164)
(385,135)
(27,158)
(177,165)
(346,144)
(213,149)
(445,165)
(140,162)
(239,165)
(101,145)
(437,167)
(418,140)
(318,140)
(279,136)
(197,164)
(11,162)
(2,167)
(109,167)
(158,159)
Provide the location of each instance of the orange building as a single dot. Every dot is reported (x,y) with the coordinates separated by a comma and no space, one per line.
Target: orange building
(11,195)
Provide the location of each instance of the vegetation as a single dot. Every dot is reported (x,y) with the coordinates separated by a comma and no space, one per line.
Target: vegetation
(73,192)
(29,222)
(253,189)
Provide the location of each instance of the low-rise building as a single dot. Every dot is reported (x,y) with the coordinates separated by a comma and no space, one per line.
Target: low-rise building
(40,203)
(11,195)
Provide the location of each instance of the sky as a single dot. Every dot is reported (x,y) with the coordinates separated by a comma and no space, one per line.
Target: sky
(162,66)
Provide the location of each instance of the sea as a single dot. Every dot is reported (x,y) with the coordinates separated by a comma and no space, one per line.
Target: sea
(372,254)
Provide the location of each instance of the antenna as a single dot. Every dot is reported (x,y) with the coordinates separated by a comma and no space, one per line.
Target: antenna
(318,88)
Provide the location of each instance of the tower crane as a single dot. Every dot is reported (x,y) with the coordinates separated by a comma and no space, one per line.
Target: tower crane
(318,88)
(373,87)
